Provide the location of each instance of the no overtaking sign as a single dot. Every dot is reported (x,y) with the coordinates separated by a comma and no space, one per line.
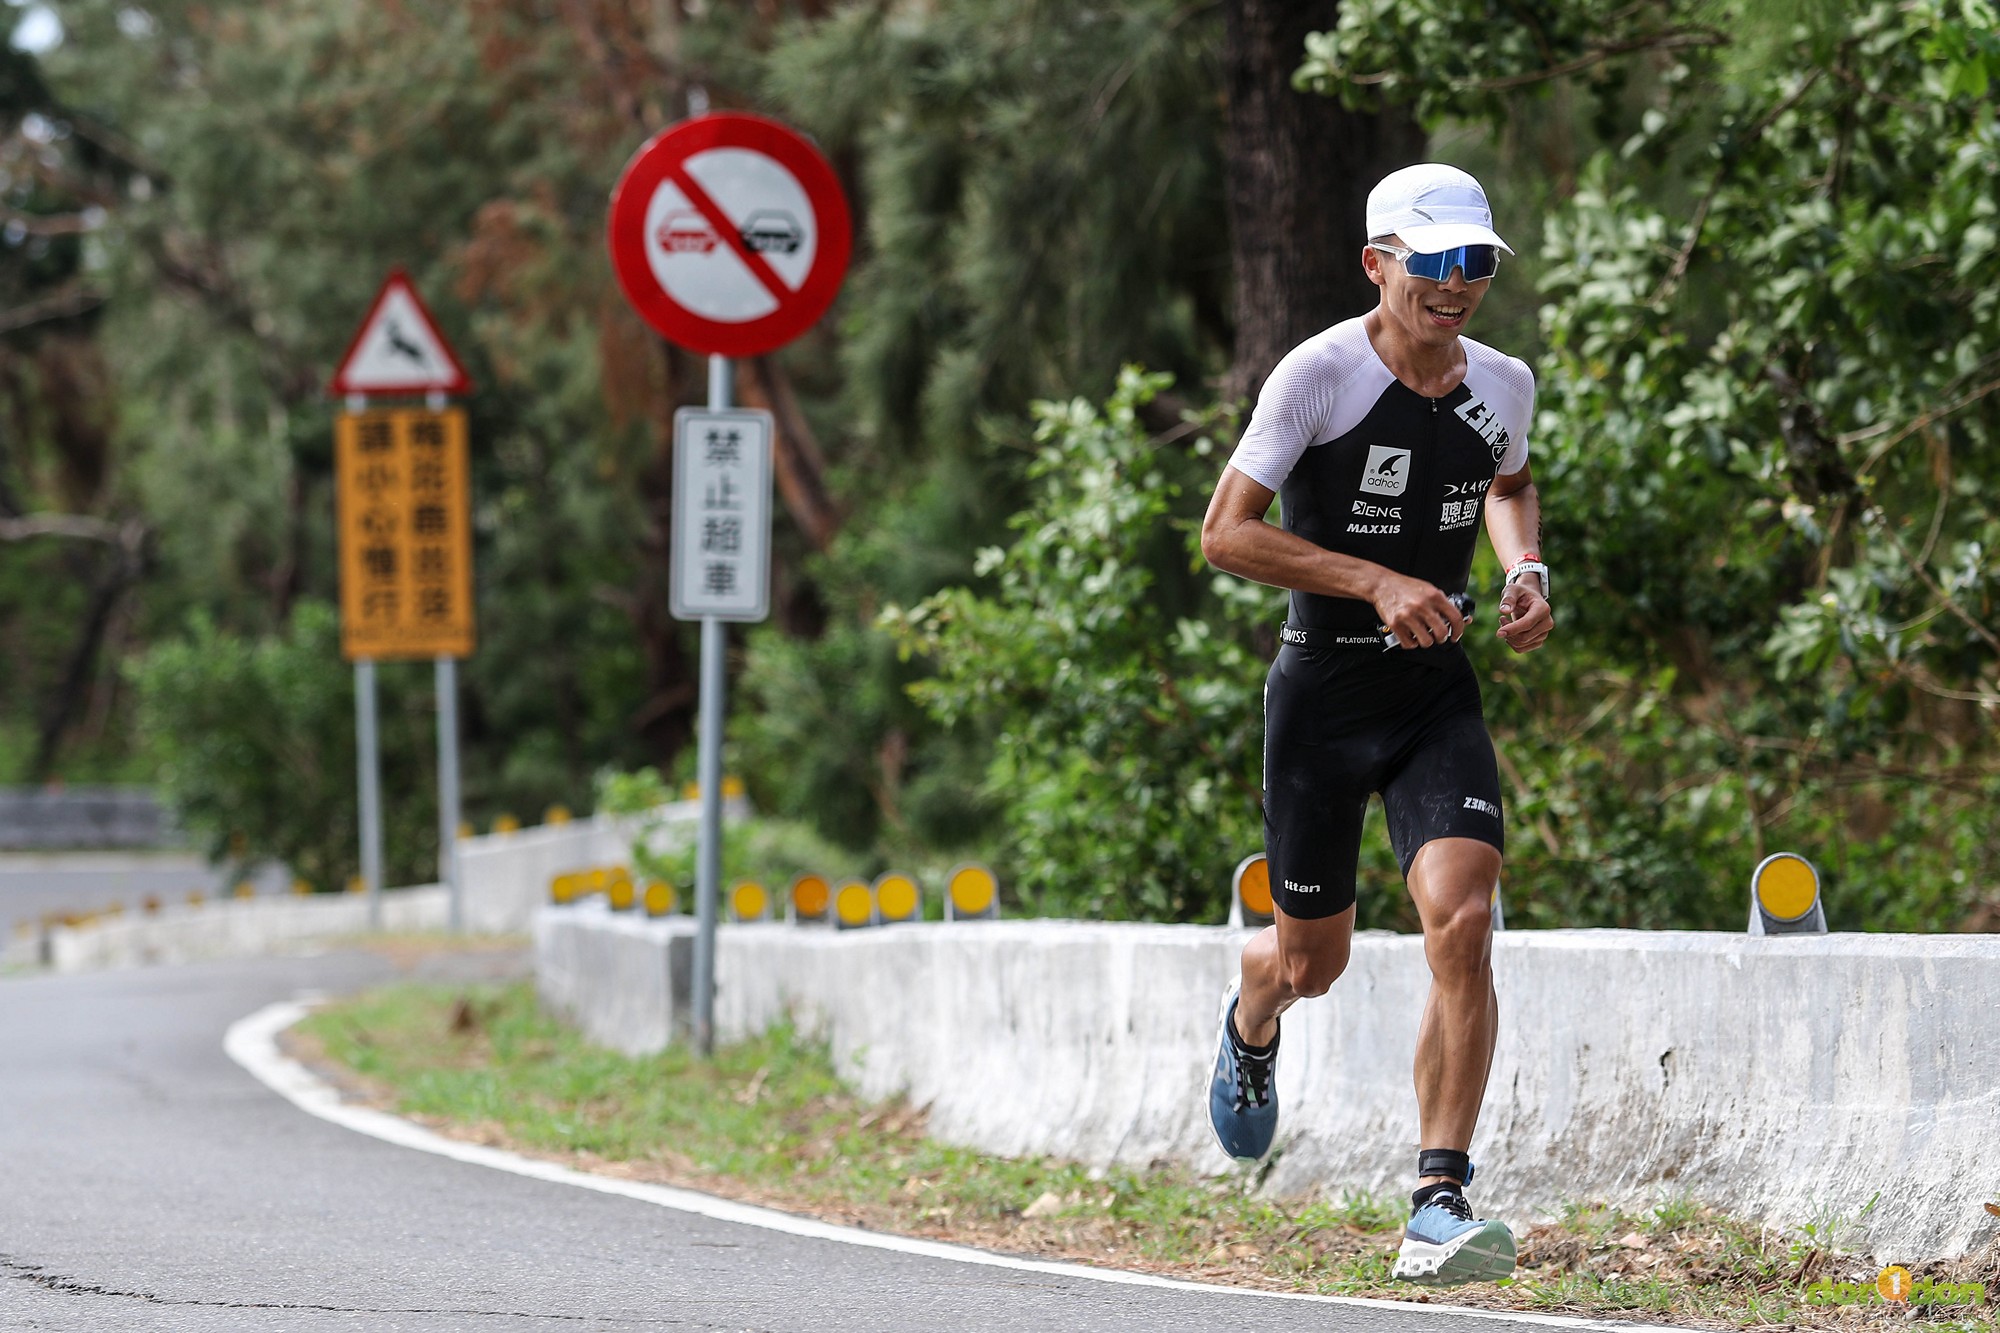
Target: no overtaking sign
(729,234)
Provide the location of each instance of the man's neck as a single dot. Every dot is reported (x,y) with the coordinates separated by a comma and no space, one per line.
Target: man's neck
(1425,369)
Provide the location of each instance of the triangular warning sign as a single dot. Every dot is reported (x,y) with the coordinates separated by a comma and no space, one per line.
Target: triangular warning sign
(399,348)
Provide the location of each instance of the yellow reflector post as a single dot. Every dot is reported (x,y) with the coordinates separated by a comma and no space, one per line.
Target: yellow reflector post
(506,824)
(620,891)
(1786,886)
(556,814)
(660,898)
(1784,897)
(811,896)
(731,788)
(594,881)
(972,890)
(749,901)
(243,889)
(853,904)
(898,897)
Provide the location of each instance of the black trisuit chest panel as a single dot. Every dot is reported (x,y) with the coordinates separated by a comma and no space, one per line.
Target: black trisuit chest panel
(1404,488)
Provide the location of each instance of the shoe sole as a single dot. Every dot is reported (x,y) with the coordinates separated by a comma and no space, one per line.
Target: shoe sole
(1228,997)
(1485,1255)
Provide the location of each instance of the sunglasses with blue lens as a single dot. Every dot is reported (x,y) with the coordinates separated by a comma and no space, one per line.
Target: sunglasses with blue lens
(1480,262)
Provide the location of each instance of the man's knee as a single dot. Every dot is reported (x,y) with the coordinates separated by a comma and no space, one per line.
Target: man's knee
(1460,945)
(1313,974)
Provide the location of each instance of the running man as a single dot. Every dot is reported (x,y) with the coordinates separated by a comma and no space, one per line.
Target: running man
(1387,437)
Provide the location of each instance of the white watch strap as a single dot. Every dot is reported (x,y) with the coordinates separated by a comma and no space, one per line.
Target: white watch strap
(1530,567)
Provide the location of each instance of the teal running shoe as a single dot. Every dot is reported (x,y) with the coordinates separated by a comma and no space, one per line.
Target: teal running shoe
(1444,1244)
(1242,1092)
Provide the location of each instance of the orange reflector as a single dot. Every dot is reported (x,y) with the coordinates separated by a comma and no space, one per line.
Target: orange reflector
(1253,885)
(810,896)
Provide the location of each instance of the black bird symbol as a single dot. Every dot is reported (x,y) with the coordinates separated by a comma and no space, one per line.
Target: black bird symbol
(403,346)
(1388,468)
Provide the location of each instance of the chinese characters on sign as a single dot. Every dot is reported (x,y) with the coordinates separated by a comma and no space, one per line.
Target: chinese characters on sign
(722,514)
(405,534)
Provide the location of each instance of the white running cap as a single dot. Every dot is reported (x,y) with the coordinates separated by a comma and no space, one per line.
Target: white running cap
(1432,207)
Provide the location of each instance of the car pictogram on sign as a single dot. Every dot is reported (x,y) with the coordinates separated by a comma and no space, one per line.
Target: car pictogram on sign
(772,231)
(687,233)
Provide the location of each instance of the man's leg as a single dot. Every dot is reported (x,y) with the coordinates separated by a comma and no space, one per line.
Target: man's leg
(1295,959)
(1451,882)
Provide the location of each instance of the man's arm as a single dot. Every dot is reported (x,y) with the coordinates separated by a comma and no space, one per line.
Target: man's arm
(1237,540)
(1514,525)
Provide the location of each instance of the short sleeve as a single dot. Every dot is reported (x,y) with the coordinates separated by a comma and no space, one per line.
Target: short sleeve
(1290,413)
(1508,384)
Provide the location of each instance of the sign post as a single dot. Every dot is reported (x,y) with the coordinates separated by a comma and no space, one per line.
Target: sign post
(403,484)
(729,235)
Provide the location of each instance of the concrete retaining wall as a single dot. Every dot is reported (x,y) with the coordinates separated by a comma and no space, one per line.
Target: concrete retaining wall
(1794,1078)
(237,928)
(506,875)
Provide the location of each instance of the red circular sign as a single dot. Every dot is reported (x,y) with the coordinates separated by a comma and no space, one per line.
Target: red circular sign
(729,234)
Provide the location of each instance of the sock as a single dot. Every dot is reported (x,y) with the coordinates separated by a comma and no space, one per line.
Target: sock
(1244,1047)
(1425,1193)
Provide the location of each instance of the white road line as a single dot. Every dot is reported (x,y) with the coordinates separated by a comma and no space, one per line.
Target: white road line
(253,1043)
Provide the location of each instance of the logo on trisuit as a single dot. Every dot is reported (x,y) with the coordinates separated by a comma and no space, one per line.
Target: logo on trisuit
(1387,470)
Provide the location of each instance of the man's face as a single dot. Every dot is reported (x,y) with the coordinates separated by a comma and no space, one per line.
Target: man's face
(1430,313)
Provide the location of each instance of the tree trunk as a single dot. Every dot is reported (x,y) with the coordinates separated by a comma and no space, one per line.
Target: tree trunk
(1299,170)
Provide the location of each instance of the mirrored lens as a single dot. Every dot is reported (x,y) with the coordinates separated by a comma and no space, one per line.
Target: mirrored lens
(1478,261)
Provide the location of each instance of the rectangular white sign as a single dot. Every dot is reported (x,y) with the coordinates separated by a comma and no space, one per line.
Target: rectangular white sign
(720,563)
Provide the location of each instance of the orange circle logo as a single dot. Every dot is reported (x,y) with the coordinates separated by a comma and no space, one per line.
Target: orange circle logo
(1894,1283)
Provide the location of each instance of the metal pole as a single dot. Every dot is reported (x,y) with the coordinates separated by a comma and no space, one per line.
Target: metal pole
(708,853)
(447,704)
(371,789)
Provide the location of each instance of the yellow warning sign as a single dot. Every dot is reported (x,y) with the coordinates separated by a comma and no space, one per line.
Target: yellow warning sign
(403,491)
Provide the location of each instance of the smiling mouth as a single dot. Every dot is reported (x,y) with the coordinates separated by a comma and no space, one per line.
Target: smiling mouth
(1447,314)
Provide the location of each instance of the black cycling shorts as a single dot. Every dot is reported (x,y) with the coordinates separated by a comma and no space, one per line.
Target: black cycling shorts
(1341,723)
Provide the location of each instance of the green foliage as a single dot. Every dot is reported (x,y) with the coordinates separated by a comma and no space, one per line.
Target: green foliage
(771,851)
(1766,446)
(1120,677)
(256,747)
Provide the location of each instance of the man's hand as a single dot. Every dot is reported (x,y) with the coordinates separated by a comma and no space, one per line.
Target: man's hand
(1525,616)
(1416,612)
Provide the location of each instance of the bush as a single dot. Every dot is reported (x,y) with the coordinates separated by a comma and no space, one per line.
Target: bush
(257,751)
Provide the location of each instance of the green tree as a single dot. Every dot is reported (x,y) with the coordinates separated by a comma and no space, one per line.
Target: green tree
(1766,443)
(1120,678)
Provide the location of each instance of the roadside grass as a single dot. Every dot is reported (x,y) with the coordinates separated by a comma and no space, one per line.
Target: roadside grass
(768,1122)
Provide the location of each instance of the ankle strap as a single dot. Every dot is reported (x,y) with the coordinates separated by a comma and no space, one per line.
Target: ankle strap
(1445,1162)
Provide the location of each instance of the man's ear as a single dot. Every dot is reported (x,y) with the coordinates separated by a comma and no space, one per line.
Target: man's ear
(1371,264)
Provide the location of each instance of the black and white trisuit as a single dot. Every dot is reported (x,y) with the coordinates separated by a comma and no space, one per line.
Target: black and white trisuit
(1367,467)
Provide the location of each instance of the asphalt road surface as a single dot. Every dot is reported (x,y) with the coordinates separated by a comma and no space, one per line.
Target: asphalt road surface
(147,1182)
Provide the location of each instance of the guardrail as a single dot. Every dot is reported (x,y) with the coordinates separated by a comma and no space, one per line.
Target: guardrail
(1848,1080)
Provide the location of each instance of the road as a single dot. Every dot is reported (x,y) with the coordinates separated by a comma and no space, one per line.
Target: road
(147,1182)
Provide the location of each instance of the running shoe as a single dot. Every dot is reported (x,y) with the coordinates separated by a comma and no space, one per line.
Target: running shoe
(1242,1093)
(1444,1244)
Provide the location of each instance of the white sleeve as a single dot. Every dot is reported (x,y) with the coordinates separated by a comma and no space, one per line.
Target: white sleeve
(1290,413)
(1520,416)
